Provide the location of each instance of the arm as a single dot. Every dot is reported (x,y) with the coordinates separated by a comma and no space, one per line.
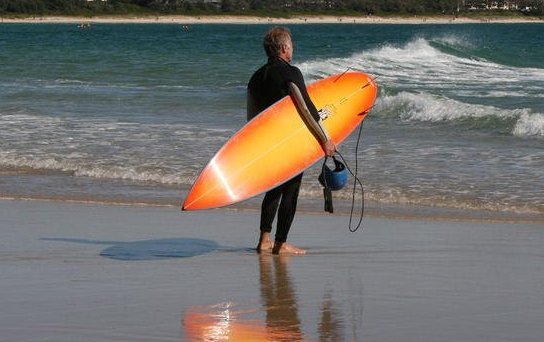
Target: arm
(315,126)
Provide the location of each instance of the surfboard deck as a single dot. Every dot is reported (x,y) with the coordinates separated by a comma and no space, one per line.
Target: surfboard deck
(276,145)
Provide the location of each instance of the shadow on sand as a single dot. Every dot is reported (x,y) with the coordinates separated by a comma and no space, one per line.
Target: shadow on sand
(149,249)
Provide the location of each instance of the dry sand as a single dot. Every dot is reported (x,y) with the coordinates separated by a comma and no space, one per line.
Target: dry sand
(87,272)
(225,19)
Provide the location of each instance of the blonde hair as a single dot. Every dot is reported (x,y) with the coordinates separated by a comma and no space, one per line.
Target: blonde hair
(274,39)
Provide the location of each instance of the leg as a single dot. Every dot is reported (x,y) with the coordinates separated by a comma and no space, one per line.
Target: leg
(269,208)
(286,214)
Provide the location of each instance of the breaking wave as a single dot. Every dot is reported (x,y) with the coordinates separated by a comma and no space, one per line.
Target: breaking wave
(437,80)
(424,107)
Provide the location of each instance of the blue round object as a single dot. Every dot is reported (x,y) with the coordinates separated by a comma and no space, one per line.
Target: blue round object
(334,179)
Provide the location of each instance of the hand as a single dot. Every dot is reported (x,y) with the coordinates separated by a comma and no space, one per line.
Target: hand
(329,147)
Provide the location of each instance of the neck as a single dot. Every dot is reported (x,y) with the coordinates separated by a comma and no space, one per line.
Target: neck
(283,58)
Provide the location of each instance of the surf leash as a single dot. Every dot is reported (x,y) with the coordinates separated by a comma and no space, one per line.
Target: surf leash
(356,182)
(327,193)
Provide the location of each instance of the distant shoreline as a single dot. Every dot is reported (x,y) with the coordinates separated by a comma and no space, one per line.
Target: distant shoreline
(309,19)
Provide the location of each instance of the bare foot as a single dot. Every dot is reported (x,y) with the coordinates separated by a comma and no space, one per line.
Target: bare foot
(265,244)
(264,247)
(286,248)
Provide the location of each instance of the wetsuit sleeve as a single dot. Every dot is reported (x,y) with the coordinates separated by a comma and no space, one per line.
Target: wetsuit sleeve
(297,78)
(315,126)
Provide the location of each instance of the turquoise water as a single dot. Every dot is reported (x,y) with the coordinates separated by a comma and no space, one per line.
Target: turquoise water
(133,112)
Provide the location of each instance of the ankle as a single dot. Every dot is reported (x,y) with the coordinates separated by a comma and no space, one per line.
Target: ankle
(265,237)
(264,244)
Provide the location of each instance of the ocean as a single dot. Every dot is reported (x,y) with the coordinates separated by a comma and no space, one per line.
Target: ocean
(130,113)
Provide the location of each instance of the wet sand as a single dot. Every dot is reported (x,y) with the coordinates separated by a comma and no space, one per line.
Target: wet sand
(87,272)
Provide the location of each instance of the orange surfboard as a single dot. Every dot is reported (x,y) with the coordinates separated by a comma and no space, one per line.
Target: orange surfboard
(277,145)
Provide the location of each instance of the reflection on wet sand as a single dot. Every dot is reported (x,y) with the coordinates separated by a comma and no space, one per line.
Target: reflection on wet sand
(279,298)
(222,322)
(330,327)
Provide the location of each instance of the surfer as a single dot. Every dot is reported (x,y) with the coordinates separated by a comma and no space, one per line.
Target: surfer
(270,83)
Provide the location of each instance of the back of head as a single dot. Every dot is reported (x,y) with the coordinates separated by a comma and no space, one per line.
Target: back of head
(274,39)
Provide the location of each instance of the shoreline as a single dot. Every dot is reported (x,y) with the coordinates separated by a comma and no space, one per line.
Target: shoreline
(229,19)
(312,207)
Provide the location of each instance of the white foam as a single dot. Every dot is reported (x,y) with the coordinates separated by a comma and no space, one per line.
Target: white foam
(420,66)
(77,167)
(105,148)
(454,41)
(530,125)
(433,108)
(460,199)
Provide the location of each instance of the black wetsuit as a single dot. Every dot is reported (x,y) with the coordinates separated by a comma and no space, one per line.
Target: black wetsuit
(268,85)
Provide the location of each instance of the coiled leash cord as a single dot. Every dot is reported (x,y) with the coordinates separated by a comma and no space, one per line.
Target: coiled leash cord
(357,181)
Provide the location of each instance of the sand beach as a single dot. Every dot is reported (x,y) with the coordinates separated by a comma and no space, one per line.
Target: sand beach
(89,272)
(310,19)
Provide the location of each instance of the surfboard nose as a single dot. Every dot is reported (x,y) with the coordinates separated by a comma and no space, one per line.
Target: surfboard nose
(211,190)
(193,202)
(196,200)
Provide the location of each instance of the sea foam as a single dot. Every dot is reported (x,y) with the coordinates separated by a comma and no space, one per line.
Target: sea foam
(420,82)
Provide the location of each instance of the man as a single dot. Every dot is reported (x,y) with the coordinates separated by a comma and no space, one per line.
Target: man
(273,81)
